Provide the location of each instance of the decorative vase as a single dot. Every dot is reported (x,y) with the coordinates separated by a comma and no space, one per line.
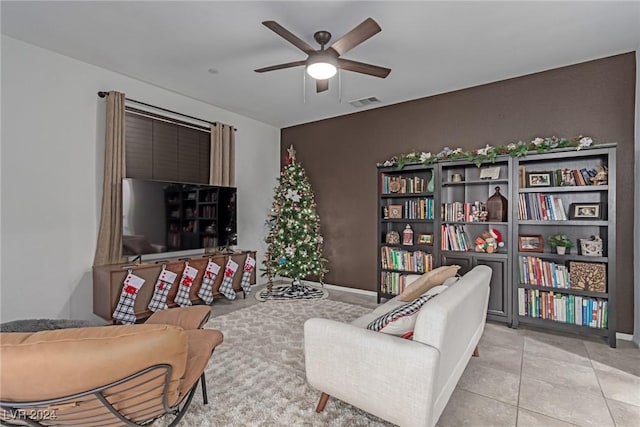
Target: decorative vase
(430,184)
(561,250)
(497,207)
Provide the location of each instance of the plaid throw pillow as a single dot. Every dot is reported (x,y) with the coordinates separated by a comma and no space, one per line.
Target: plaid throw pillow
(402,312)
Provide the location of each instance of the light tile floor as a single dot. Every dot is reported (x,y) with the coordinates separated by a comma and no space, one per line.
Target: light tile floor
(528,377)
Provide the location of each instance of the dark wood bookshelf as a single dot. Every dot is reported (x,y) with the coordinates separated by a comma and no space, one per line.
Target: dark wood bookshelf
(504,287)
(605,196)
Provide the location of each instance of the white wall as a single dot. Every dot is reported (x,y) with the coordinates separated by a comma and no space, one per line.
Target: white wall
(51,176)
(636,222)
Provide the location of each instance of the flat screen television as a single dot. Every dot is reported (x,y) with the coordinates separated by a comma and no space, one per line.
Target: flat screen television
(160,217)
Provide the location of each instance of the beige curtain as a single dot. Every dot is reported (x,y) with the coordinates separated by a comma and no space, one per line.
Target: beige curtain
(222,164)
(109,246)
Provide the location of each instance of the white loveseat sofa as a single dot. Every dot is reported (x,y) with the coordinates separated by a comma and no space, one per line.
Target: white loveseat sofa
(406,382)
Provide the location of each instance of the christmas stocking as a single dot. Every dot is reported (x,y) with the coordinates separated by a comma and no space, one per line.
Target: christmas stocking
(124,310)
(163,284)
(249,264)
(210,274)
(226,288)
(182,297)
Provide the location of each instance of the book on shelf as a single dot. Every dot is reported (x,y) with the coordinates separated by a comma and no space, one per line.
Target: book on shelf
(392,282)
(540,207)
(421,208)
(535,271)
(454,238)
(558,307)
(393,184)
(400,259)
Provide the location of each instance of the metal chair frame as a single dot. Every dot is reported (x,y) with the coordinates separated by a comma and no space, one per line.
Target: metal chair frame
(38,413)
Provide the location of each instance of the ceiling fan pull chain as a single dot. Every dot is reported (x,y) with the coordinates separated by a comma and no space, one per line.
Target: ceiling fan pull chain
(304,87)
(339,86)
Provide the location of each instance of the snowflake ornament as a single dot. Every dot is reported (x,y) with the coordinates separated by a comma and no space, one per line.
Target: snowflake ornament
(484,151)
(584,142)
(290,250)
(537,141)
(424,156)
(292,195)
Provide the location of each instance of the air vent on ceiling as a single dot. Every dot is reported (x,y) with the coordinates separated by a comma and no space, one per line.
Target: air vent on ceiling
(364,102)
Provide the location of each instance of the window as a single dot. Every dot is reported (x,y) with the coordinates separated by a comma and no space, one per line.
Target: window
(165,150)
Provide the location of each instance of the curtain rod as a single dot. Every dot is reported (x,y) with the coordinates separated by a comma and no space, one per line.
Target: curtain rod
(103,94)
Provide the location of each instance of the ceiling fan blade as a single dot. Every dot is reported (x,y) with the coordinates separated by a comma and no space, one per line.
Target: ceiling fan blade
(353,38)
(322,85)
(289,36)
(280,66)
(361,67)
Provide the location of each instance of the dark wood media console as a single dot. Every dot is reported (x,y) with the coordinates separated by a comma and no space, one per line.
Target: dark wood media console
(107,281)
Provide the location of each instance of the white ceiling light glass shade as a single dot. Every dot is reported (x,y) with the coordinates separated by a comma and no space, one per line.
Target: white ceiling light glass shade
(322,66)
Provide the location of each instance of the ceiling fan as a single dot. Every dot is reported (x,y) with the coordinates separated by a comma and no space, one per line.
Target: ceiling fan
(322,64)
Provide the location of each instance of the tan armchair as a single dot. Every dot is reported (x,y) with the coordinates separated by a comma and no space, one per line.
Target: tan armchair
(108,375)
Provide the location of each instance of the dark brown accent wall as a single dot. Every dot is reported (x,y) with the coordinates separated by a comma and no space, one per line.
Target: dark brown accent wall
(595,98)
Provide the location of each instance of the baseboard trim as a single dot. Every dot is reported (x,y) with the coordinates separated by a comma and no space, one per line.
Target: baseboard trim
(624,337)
(282,281)
(352,290)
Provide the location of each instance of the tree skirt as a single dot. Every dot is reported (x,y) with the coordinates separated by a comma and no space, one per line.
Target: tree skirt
(291,292)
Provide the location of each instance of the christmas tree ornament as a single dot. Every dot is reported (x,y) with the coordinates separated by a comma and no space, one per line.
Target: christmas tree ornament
(206,289)
(226,288)
(124,310)
(188,276)
(161,290)
(249,264)
(292,195)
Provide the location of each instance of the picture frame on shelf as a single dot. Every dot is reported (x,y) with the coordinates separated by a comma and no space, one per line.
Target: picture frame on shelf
(539,179)
(588,211)
(530,243)
(395,211)
(425,239)
(490,173)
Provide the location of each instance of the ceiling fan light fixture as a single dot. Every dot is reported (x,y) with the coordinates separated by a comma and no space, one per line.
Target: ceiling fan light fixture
(322,66)
(321,70)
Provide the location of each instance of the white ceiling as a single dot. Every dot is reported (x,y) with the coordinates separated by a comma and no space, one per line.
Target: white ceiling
(432,47)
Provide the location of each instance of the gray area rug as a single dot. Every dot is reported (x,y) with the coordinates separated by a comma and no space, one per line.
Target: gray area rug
(256,376)
(35,325)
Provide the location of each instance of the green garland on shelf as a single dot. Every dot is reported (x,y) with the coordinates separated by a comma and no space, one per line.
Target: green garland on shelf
(488,154)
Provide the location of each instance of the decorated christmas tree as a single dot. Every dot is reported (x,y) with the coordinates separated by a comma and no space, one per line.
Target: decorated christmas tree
(294,242)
